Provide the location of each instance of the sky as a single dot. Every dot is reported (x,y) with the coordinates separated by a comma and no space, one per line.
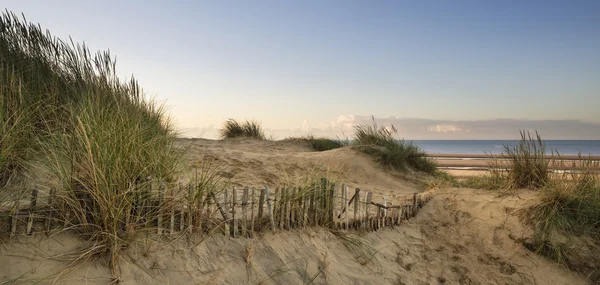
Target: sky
(434,69)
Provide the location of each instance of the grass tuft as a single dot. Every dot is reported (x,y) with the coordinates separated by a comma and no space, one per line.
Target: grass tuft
(248,129)
(380,142)
(322,143)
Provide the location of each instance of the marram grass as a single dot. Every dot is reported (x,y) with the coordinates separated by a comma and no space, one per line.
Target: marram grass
(248,129)
(95,134)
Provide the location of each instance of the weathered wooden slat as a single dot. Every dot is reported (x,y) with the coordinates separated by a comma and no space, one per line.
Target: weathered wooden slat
(34,194)
(244,211)
(14,219)
(356,203)
(50,212)
(190,209)
(233,210)
(269,207)
(252,205)
(282,207)
(369,225)
(159,211)
(261,202)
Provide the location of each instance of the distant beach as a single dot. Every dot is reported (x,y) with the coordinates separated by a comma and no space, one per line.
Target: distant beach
(563,147)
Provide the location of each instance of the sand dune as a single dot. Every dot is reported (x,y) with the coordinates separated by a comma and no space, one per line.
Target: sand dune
(462,236)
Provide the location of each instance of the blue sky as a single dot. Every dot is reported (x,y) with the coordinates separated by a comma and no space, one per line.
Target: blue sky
(323,66)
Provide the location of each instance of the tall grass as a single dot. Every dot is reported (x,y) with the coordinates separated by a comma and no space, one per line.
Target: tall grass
(381,143)
(566,222)
(529,167)
(95,134)
(249,129)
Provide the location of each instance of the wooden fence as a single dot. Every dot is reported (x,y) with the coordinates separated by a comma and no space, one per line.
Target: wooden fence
(239,212)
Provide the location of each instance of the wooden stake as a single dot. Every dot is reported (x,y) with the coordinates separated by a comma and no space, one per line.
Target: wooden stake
(51,209)
(345,206)
(233,208)
(305,208)
(252,213)
(356,203)
(13,220)
(282,207)
(367,210)
(244,211)
(34,194)
(293,208)
(261,202)
(190,209)
(270,208)
(159,212)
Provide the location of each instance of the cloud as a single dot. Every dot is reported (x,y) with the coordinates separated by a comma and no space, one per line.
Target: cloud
(412,128)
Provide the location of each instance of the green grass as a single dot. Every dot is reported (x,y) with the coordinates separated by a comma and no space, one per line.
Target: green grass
(247,129)
(94,134)
(566,222)
(381,143)
(322,143)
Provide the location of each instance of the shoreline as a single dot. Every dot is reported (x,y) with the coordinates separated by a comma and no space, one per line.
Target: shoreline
(466,165)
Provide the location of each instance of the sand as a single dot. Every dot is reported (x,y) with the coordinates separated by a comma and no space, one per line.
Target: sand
(463,236)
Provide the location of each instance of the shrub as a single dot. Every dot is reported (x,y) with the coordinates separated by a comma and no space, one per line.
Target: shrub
(249,129)
(380,143)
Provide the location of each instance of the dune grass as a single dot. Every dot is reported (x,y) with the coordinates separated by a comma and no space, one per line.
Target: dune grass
(95,134)
(381,143)
(247,129)
(566,221)
(322,143)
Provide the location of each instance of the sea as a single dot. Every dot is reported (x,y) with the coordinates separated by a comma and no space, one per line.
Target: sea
(563,147)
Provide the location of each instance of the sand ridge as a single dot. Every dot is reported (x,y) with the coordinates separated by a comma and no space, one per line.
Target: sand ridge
(463,236)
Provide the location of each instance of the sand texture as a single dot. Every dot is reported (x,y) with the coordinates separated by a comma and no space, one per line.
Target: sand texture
(462,236)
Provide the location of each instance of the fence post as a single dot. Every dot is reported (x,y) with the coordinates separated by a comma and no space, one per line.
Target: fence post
(415,209)
(159,212)
(282,191)
(307,197)
(260,208)
(190,209)
(172,207)
(367,211)
(252,213)
(244,211)
(293,208)
(356,203)
(288,206)
(226,230)
(270,208)
(13,220)
(51,209)
(34,194)
(233,210)
(331,205)
(384,211)
(344,209)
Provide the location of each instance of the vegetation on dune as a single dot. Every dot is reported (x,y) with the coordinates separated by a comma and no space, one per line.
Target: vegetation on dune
(380,142)
(95,134)
(322,143)
(566,221)
(248,129)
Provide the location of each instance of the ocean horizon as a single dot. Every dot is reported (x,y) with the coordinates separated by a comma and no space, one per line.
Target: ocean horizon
(563,147)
